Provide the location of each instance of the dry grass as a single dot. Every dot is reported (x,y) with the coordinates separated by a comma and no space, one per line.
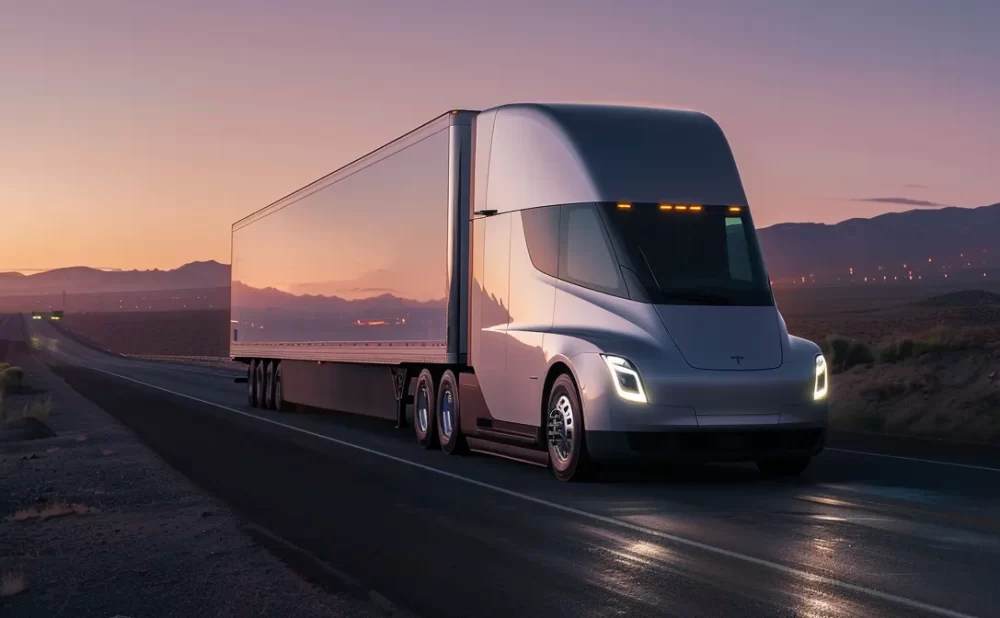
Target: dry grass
(13,583)
(11,379)
(38,410)
(56,508)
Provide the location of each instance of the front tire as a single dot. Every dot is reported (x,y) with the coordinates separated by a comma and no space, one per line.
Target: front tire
(565,432)
(783,467)
(425,410)
(449,416)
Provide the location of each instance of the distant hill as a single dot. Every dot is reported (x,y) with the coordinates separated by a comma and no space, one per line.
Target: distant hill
(81,279)
(952,238)
(963,298)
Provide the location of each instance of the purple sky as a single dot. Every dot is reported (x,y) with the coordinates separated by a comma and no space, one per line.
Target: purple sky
(132,134)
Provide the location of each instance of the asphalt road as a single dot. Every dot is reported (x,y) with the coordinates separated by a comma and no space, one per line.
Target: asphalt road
(876,527)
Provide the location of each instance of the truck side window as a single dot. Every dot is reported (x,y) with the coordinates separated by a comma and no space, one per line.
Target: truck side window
(585,256)
(541,234)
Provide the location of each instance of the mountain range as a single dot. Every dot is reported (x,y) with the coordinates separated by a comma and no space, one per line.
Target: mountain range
(913,243)
(926,241)
(82,280)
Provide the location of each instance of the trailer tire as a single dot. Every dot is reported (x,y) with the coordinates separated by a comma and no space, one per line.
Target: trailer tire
(279,390)
(449,416)
(269,377)
(252,383)
(564,432)
(259,379)
(425,410)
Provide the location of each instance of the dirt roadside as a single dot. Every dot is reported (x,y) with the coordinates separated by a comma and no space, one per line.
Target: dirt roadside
(93,523)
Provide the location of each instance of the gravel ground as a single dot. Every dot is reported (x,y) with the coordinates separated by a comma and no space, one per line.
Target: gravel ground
(126,535)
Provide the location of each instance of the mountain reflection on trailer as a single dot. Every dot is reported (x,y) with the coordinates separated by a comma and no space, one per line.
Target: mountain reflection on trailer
(562,284)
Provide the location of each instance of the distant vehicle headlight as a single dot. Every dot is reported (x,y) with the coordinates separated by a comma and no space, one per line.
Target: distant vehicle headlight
(822,383)
(626,378)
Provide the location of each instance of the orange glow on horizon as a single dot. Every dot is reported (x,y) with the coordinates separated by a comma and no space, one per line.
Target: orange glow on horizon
(114,156)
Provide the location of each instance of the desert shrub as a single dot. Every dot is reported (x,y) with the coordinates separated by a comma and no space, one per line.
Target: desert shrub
(843,353)
(11,379)
(886,390)
(936,340)
(897,351)
(38,410)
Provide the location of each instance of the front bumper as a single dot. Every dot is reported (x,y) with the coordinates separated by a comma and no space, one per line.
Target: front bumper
(707,415)
(732,444)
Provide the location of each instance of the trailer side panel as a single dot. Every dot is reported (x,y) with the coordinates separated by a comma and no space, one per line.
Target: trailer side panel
(355,267)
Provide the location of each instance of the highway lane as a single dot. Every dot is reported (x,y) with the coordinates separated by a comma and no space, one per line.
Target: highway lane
(859,535)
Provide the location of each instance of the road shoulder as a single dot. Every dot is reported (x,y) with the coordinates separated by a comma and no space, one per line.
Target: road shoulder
(94,523)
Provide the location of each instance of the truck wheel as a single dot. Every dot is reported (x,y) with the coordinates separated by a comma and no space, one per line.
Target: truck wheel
(424,410)
(259,382)
(269,377)
(279,390)
(783,466)
(564,432)
(252,383)
(449,416)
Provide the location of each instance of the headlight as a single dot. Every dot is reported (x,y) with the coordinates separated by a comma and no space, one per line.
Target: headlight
(628,385)
(821,386)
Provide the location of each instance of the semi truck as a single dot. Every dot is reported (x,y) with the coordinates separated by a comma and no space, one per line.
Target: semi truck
(559,284)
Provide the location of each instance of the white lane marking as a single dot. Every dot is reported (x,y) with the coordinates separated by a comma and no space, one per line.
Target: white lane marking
(917,459)
(719,551)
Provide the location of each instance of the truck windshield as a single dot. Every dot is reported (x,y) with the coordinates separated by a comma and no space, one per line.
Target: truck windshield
(706,255)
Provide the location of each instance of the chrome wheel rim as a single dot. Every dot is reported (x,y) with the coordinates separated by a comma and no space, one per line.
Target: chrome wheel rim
(422,408)
(560,429)
(447,414)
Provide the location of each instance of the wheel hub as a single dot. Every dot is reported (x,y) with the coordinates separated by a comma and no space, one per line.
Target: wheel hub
(560,429)
(422,408)
(447,414)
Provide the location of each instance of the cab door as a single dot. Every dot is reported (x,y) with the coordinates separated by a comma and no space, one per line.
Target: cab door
(491,309)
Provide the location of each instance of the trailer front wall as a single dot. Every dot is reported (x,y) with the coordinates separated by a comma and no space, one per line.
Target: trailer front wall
(352,269)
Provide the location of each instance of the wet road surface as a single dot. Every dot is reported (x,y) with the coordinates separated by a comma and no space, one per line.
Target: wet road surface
(875,527)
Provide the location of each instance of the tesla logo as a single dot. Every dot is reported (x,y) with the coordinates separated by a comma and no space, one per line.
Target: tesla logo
(738,359)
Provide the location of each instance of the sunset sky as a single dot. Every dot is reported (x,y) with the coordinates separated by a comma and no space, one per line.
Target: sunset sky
(133,134)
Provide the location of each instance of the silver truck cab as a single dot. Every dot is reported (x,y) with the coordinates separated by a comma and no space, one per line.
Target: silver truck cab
(619,303)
